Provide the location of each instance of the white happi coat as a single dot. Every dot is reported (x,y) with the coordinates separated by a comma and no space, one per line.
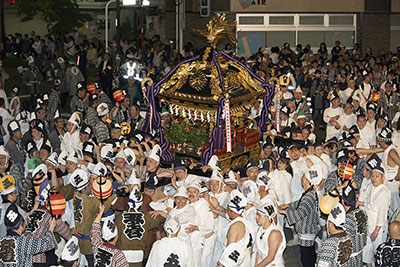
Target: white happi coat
(363,92)
(329,113)
(390,182)
(377,212)
(281,186)
(185,217)
(378,207)
(202,247)
(261,245)
(246,242)
(390,172)
(371,125)
(171,250)
(365,192)
(367,138)
(299,168)
(221,227)
(347,120)
(71,142)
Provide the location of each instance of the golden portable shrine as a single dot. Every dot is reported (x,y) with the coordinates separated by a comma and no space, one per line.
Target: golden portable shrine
(207,97)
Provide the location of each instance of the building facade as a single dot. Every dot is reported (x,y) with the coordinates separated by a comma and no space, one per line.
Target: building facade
(374,24)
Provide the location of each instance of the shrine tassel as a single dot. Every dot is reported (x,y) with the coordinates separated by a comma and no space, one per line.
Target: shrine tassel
(278,111)
(228,127)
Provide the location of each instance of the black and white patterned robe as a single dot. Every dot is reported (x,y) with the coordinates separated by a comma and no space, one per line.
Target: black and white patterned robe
(16,251)
(335,251)
(304,214)
(356,227)
(332,181)
(388,254)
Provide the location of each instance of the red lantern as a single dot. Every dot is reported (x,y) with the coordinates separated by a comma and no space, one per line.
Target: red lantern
(102,188)
(119,95)
(55,203)
(375,96)
(345,170)
(91,88)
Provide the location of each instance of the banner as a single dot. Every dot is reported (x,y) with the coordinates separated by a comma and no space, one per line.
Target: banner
(228,127)
(278,111)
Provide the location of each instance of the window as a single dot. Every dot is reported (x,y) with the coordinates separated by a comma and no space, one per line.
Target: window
(281,20)
(395,20)
(277,29)
(395,32)
(341,20)
(311,20)
(314,38)
(394,39)
(278,38)
(251,20)
(346,38)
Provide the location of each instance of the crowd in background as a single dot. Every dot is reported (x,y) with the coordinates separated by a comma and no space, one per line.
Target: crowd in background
(336,132)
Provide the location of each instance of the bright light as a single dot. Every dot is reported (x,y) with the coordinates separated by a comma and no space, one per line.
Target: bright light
(131,71)
(128,2)
(145,2)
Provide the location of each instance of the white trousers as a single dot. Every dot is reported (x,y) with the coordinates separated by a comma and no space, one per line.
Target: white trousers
(218,250)
(370,249)
(208,251)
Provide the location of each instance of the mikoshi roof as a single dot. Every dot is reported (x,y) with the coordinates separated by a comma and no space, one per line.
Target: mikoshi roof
(196,85)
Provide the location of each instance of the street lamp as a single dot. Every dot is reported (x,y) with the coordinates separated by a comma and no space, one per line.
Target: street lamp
(133,2)
(143,3)
(106,22)
(124,3)
(128,2)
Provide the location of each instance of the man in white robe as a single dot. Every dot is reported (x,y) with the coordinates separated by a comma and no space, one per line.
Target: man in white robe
(171,250)
(377,212)
(364,90)
(331,116)
(367,137)
(203,231)
(348,118)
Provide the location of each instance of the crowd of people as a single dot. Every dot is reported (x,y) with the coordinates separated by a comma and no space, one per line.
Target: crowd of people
(328,170)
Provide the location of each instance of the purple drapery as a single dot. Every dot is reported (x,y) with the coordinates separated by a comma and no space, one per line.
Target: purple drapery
(217,139)
(152,92)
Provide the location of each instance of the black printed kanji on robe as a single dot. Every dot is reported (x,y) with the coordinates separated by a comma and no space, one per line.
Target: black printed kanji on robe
(30,199)
(234,256)
(103,258)
(250,240)
(7,250)
(72,248)
(34,220)
(133,222)
(78,209)
(172,261)
(236,200)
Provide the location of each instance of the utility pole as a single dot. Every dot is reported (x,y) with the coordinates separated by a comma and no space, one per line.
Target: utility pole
(3,30)
(118,32)
(180,24)
(142,28)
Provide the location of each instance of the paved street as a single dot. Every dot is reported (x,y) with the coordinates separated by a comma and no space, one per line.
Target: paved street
(292,257)
(291,254)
